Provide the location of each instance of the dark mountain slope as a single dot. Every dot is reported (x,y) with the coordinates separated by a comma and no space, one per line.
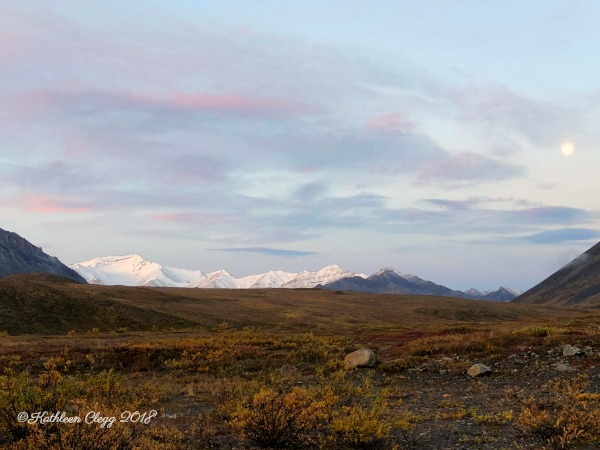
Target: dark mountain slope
(17,256)
(391,282)
(388,281)
(576,284)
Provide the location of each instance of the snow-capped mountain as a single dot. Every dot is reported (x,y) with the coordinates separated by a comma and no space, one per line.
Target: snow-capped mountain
(326,275)
(133,270)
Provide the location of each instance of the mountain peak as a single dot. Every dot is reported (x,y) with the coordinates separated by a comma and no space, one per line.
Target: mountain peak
(386,270)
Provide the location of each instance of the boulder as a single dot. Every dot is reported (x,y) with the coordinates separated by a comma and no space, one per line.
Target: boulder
(360,358)
(569,350)
(479,370)
(565,368)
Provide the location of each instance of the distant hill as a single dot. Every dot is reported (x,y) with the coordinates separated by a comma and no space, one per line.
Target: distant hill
(19,256)
(576,284)
(390,281)
(47,304)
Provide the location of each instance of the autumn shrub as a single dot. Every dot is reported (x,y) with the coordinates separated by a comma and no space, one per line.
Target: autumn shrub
(541,331)
(89,436)
(453,343)
(361,426)
(285,420)
(53,393)
(22,392)
(360,416)
(318,351)
(564,416)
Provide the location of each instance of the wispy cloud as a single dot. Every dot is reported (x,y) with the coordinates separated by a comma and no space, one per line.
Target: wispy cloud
(466,169)
(53,205)
(395,122)
(561,236)
(267,251)
(93,102)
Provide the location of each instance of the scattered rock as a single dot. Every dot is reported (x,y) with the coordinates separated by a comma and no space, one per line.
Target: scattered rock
(443,371)
(360,358)
(478,370)
(288,371)
(565,368)
(570,350)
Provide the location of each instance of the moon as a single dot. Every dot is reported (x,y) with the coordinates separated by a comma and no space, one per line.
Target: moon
(567,148)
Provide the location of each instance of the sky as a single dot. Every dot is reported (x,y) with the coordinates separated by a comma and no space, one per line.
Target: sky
(454,140)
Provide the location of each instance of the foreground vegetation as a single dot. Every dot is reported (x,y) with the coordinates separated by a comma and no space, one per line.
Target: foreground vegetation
(242,388)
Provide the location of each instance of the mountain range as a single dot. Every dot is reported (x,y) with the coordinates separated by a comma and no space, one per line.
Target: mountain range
(390,281)
(134,270)
(18,256)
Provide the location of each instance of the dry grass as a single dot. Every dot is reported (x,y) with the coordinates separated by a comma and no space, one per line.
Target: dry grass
(53,307)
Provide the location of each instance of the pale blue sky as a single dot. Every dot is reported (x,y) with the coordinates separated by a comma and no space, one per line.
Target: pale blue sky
(255,136)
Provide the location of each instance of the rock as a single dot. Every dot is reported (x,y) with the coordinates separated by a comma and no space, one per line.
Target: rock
(565,368)
(288,371)
(478,370)
(360,358)
(569,350)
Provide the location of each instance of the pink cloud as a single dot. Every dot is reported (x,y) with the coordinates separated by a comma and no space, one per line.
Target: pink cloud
(52,205)
(77,101)
(237,103)
(391,123)
(14,40)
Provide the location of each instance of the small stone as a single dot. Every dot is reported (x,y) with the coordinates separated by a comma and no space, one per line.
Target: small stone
(360,358)
(569,350)
(565,368)
(288,371)
(478,370)
(443,371)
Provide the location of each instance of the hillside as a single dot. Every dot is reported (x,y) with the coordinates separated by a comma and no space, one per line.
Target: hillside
(47,305)
(577,284)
